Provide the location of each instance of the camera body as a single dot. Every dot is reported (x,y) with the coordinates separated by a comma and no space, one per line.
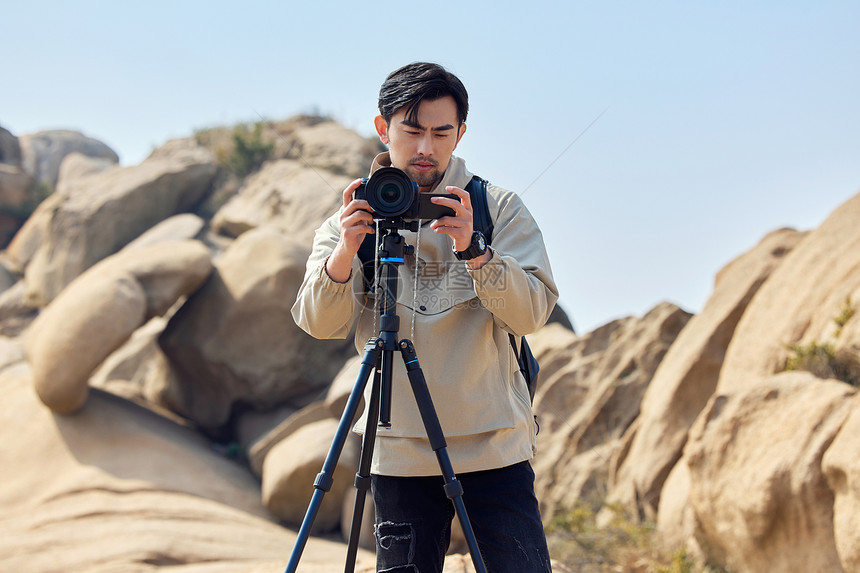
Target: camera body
(393,195)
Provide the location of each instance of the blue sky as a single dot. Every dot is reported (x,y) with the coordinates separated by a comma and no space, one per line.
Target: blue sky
(721,121)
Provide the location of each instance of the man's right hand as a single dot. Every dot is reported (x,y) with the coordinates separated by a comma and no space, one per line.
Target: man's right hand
(355,222)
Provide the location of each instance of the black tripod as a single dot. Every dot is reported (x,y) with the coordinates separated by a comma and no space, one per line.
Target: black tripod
(378,358)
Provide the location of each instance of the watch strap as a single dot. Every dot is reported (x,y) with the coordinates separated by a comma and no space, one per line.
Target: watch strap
(476,248)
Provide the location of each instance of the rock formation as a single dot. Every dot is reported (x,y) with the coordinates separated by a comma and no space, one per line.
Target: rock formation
(101,309)
(687,377)
(100,213)
(17,189)
(179,417)
(589,396)
(43,153)
(117,487)
(234,341)
(842,469)
(757,490)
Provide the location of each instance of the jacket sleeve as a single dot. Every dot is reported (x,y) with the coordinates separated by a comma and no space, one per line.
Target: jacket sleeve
(516,284)
(323,307)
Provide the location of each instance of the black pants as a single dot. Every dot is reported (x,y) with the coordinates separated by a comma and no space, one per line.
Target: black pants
(413,521)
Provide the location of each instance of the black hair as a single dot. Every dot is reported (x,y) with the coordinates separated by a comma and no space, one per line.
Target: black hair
(408,86)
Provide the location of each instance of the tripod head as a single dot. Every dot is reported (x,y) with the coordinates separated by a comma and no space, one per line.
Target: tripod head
(399,224)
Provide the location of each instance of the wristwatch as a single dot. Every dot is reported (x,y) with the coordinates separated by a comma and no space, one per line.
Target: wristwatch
(477,248)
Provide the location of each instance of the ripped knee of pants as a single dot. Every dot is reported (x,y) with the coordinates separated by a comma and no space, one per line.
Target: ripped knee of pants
(395,543)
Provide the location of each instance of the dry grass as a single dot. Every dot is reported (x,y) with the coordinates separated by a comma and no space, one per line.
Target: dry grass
(618,543)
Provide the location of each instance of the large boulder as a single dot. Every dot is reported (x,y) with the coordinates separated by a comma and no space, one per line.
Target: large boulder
(101,309)
(17,199)
(10,148)
(15,187)
(328,145)
(807,302)
(285,194)
(757,490)
(17,191)
(182,227)
(32,234)
(77,165)
(841,466)
(100,213)
(589,395)
(331,406)
(16,315)
(687,377)
(291,468)
(676,521)
(130,371)
(118,488)
(310,414)
(42,153)
(8,275)
(77,332)
(342,386)
(234,342)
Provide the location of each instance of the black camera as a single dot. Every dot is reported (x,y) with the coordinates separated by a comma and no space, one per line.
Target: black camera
(393,195)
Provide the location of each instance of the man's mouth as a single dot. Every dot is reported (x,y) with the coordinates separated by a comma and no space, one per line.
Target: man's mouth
(423,166)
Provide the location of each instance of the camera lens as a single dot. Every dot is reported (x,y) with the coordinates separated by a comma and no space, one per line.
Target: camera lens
(391,192)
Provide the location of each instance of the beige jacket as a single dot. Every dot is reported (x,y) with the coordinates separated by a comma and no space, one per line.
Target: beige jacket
(461,323)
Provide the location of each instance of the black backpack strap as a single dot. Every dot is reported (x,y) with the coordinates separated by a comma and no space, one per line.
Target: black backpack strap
(483,221)
(481,218)
(367,257)
(527,362)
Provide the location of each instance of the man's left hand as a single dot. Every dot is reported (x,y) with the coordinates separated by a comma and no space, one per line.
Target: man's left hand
(460,225)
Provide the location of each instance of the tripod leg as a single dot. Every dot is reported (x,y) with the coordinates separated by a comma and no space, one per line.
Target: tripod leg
(324,479)
(362,477)
(453,488)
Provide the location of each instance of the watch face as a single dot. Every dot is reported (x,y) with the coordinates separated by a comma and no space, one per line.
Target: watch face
(481,241)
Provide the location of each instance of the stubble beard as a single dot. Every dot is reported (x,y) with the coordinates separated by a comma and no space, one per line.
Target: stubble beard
(424,179)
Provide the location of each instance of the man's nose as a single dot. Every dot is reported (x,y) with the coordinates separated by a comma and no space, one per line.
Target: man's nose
(425,145)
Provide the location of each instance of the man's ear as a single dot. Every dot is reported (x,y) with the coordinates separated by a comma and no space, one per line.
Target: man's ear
(460,132)
(381,128)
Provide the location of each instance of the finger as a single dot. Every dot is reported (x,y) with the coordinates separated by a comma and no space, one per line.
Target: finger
(355,234)
(357,205)
(459,208)
(444,229)
(449,222)
(464,196)
(357,217)
(358,231)
(348,192)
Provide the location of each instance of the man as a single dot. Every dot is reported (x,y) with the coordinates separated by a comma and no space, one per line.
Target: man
(471,296)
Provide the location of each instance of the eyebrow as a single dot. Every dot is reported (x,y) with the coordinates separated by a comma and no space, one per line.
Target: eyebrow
(416,125)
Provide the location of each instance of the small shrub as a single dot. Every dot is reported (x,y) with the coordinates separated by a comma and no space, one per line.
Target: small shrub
(822,361)
(249,152)
(846,313)
(814,357)
(623,544)
(680,563)
(821,358)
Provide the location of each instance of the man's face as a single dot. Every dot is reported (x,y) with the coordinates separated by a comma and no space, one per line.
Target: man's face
(423,149)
